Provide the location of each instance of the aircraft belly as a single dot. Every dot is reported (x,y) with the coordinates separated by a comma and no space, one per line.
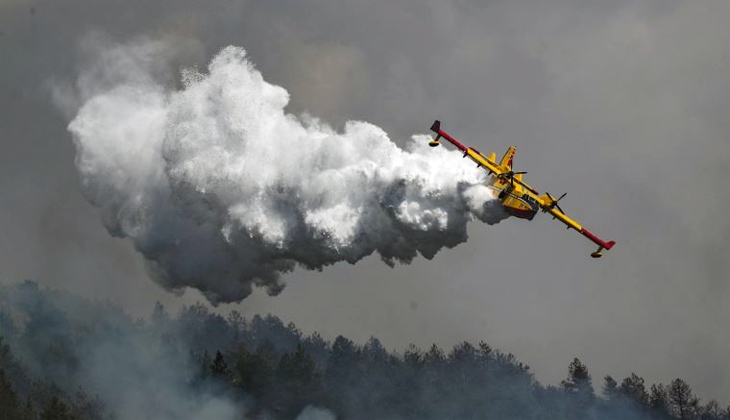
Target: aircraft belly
(520,213)
(517,207)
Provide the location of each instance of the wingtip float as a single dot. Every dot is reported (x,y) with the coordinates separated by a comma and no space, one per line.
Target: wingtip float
(518,198)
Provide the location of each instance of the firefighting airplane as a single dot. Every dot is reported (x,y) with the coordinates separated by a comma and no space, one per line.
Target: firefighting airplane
(518,198)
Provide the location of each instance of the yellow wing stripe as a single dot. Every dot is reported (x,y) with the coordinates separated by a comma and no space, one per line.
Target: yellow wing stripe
(565,219)
(547,204)
(484,161)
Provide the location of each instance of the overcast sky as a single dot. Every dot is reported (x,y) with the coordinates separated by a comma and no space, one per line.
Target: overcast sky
(625,105)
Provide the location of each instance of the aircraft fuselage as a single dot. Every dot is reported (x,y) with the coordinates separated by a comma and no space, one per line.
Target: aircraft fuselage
(514,201)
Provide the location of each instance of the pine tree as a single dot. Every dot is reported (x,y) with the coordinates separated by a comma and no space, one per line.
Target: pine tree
(219,367)
(610,388)
(9,405)
(299,371)
(633,388)
(413,357)
(710,411)
(435,358)
(28,412)
(318,348)
(580,390)
(578,380)
(56,409)
(254,370)
(681,401)
(373,351)
(238,324)
(160,318)
(343,364)
(658,401)
(299,379)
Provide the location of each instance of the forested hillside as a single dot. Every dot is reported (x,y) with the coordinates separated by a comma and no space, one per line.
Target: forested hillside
(65,357)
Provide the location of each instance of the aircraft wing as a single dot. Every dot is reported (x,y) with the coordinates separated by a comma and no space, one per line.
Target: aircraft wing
(549,204)
(482,161)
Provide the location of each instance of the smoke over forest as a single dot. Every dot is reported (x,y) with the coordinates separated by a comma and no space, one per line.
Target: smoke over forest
(65,357)
(221,189)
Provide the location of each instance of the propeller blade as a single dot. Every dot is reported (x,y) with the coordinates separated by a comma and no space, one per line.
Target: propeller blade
(554,202)
(519,173)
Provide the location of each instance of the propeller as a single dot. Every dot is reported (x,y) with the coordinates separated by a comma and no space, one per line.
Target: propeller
(555,202)
(511,176)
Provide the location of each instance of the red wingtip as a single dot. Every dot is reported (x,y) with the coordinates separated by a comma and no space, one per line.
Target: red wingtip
(598,241)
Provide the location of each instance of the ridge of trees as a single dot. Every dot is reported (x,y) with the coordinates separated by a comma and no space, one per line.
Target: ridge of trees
(278,370)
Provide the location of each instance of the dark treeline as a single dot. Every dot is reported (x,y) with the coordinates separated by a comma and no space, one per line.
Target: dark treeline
(199,364)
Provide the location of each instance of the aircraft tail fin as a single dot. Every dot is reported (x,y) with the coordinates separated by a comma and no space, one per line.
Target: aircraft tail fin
(508,157)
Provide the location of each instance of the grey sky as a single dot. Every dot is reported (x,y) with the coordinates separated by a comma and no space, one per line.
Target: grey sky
(625,105)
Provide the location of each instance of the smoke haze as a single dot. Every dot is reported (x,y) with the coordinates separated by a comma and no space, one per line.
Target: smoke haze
(198,365)
(79,345)
(132,369)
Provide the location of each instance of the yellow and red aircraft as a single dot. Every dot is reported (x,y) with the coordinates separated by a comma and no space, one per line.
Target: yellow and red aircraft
(518,198)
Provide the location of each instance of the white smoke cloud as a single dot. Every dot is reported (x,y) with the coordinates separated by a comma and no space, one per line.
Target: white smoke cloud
(221,189)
